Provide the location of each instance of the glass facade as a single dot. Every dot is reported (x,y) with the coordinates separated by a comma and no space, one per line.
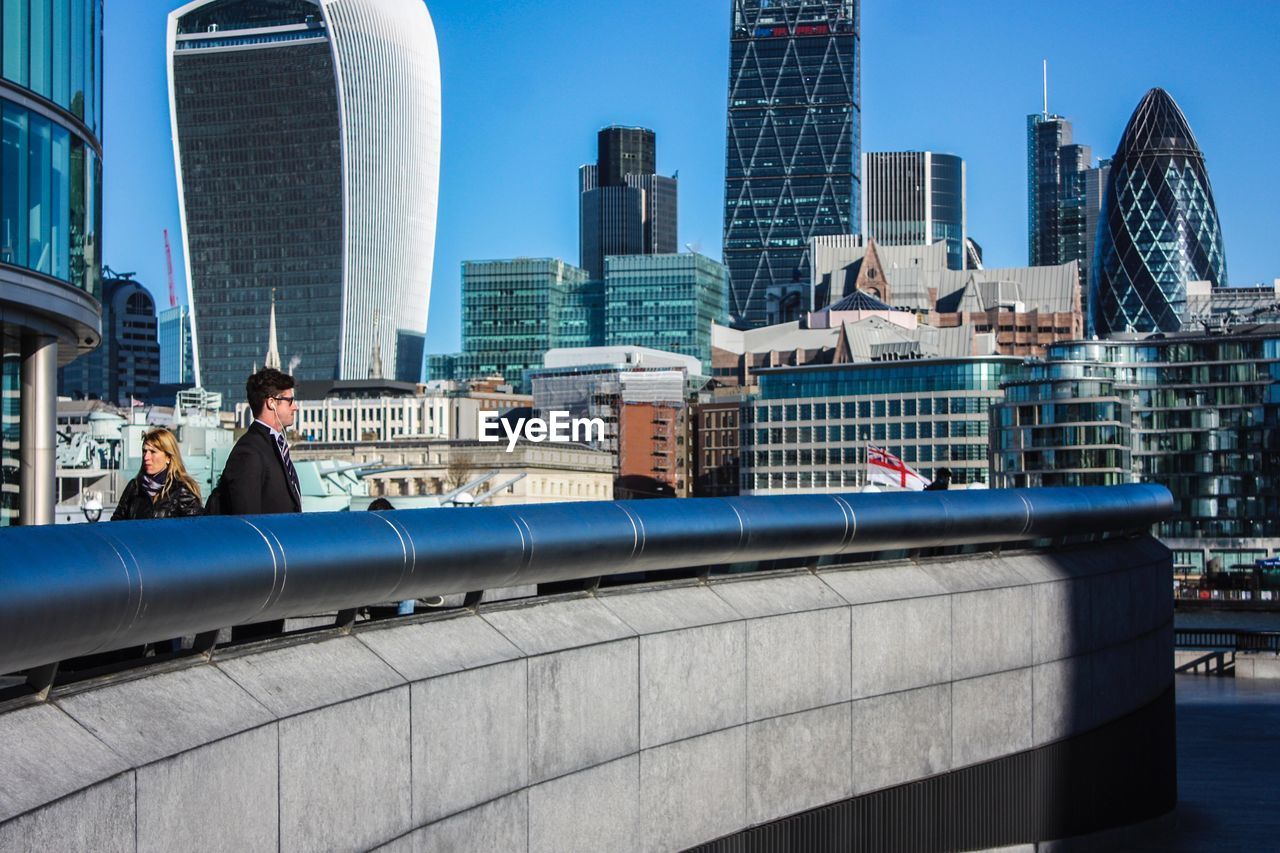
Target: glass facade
(793,141)
(263,196)
(1159,226)
(50,172)
(1198,414)
(175,346)
(665,302)
(809,428)
(913,198)
(512,313)
(10,430)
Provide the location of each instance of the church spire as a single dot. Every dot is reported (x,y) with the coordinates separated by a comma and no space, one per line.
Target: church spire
(273,349)
(375,356)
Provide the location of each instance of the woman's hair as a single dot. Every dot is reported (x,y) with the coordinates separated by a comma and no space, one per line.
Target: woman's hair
(165,441)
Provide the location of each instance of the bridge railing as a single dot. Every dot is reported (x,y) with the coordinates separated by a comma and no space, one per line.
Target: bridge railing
(74,590)
(1229,639)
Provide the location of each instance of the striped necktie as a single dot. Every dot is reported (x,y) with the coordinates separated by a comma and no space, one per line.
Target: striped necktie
(288,465)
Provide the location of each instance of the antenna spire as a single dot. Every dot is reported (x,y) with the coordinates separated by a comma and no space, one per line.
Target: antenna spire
(1045,71)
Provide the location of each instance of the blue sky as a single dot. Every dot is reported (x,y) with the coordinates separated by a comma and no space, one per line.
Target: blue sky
(527,84)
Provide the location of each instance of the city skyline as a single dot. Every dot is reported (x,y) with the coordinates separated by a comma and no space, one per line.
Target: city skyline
(527,205)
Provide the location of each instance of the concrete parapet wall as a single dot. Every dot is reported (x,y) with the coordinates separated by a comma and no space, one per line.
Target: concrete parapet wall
(649,718)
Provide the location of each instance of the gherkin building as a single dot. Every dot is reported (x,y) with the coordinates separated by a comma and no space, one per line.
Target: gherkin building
(1158,228)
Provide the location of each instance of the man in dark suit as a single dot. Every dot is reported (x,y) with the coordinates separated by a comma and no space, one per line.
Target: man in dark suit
(259,476)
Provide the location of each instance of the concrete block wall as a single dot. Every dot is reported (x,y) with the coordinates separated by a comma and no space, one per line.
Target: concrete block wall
(634,719)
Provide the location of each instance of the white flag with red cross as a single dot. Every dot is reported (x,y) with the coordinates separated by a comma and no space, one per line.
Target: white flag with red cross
(884,467)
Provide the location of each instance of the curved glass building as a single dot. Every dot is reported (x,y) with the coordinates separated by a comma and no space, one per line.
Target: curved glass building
(307,148)
(50,230)
(1158,228)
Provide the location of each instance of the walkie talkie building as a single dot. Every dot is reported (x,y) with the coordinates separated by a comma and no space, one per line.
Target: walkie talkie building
(307,147)
(794,139)
(1158,228)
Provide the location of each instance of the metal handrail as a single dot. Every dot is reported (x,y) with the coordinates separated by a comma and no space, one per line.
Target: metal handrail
(72,590)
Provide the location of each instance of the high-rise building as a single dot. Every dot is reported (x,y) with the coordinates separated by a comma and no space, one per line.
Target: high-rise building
(665,302)
(1095,184)
(913,198)
(307,148)
(50,232)
(175,346)
(1159,227)
(793,141)
(1058,220)
(126,365)
(512,314)
(625,208)
(1196,411)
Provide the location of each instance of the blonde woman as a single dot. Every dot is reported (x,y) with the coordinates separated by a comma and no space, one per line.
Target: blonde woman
(163,488)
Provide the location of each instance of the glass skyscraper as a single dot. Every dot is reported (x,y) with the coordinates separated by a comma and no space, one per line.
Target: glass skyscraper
(307,146)
(914,198)
(665,302)
(175,346)
(50,231)
(793,141)
(625,207)
(1159,227)
(126,365)
(513,312)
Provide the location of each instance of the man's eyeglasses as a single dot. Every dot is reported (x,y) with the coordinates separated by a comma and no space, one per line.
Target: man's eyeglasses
(292,401)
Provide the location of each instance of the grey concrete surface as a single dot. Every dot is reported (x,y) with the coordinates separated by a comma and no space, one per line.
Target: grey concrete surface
(899,737)
(344,774)
(990,631)
(1062,699)
(694,790)
(47,755)
(872,583)
(685,606)
(582,708)
(692,682)
(99,819)
(470,739)
(899,645)
(786,593)
(990,717)
(500,825)
(150,718)
(797,661)
(438,646)
(797,762)
(594,810)
(234,777)
(650,718)
(310,675)
(557,625)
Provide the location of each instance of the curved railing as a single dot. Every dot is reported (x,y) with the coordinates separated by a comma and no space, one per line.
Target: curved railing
(68,591)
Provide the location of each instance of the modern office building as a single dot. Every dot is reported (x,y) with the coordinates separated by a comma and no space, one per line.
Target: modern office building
(912,198)
(809,428)
(1159,227)
(306,143)
(1197,411)
(126,366)
(625,207)
(175,346)
(50,232)
(793,141)
(665,302)
(513,311)
(1219,306)
(594,382)
(1055,191)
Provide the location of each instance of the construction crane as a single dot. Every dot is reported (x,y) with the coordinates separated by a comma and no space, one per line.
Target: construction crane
(168,259)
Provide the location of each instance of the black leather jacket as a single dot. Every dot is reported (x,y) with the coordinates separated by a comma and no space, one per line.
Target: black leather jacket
(135,503)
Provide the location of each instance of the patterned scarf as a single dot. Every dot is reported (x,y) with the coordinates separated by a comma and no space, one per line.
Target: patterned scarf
(153,484)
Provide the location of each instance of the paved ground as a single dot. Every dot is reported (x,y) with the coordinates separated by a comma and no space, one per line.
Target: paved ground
(1228,766)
